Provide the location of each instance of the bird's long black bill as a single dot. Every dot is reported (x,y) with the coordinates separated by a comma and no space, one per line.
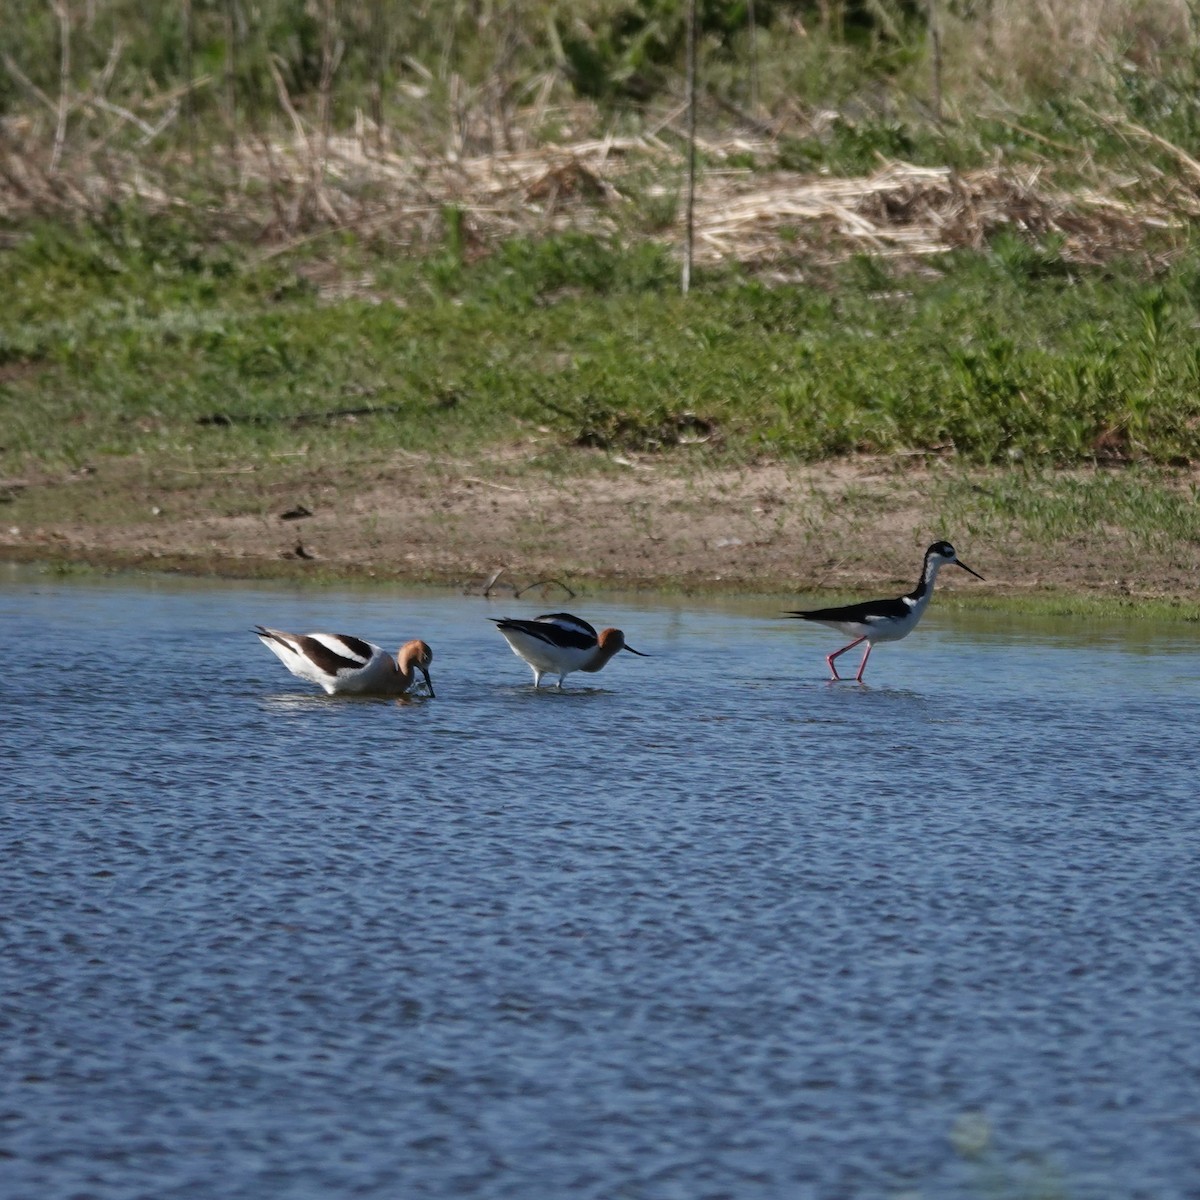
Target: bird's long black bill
(966,568)
(429,683)
(638,652)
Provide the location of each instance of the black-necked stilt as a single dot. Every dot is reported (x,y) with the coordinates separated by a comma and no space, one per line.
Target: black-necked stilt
(885,620)
(348,664)
(558,643)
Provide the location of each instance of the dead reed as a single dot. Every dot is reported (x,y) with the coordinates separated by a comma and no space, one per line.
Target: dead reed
(499,154)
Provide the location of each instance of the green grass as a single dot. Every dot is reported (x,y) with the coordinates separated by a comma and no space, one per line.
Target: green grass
(135,336)
(1146,509)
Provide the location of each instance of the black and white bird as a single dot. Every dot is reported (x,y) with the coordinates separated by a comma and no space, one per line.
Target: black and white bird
(558,643)
(885,620)
(348,665)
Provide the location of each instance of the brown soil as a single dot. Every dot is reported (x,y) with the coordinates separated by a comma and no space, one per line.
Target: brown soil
(767,528)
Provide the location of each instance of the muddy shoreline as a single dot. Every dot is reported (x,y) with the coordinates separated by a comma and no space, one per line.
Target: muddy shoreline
(766,529)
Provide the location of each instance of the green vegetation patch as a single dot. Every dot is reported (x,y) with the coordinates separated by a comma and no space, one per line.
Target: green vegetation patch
(132,336)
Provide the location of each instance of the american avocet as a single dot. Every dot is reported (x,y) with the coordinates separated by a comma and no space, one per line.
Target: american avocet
(348,664)
(885,620)
(558,643)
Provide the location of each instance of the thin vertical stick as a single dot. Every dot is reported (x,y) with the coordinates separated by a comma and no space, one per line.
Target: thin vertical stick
(753,56)
(231,83)
(690,220)
(330,53)
(64,80)
(935,40)
(379,36)
(833,18)
(189,95)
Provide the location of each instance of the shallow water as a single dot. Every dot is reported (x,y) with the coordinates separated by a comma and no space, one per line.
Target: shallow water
(702,925)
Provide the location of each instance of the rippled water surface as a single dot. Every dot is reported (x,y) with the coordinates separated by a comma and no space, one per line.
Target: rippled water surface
(701,926)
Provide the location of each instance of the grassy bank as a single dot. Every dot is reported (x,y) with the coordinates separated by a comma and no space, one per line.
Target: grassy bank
(1045,410)
(297,251)
(135,338)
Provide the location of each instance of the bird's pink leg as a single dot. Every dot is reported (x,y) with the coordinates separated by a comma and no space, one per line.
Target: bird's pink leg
(862,666)
(830,657)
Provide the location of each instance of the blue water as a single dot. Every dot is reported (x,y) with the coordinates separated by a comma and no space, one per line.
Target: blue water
(701,926)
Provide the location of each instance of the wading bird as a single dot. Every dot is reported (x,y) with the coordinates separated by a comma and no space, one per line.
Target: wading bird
(348,665)
(885,620)
(558,643)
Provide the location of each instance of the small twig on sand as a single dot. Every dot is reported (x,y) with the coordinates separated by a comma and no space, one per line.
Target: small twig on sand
(500,487)
(491,581)
(519,592)
(489,585)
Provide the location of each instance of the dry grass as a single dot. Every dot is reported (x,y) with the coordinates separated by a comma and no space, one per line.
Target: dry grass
(288,189)
(1021,46)
(909,211)
(483,169)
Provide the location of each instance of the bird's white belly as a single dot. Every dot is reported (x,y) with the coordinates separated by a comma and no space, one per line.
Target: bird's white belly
(545,657)
(891,631)
(550,658)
